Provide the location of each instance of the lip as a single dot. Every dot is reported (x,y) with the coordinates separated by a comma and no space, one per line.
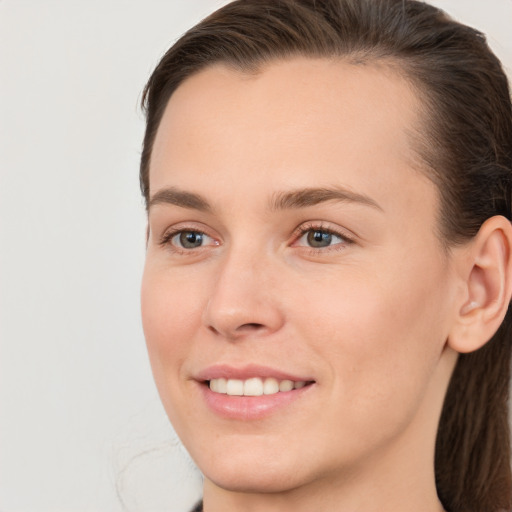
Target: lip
(224,371)
(250,408)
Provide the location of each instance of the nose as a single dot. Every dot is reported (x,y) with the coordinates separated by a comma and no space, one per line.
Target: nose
(244,302)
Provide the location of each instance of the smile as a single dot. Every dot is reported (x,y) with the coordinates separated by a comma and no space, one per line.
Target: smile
(251,392)
(255,386)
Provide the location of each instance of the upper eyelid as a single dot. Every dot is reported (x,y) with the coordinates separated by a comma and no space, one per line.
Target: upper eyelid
(197,227)
(169,235)
(328,231)
(323,226)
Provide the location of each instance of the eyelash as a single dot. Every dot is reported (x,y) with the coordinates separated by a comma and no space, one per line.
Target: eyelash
(169,235)
(296,236)
(321,227)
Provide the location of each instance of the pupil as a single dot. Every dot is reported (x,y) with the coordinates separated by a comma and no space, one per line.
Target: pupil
(191,239)
(319,239)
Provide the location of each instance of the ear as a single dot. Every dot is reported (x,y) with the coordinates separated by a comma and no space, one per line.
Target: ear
(487,282)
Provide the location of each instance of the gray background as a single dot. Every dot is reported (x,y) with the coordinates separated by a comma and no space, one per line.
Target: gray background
(80,420)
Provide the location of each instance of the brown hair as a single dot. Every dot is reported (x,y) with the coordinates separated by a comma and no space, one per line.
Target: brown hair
(466,146)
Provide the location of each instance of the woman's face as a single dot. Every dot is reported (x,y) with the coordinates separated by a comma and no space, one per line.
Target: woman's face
(293,238)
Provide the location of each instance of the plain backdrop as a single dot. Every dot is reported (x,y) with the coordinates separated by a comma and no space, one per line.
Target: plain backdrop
(81,427)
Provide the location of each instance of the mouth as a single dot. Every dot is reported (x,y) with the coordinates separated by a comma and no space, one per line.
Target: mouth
(252,392)
(254,386)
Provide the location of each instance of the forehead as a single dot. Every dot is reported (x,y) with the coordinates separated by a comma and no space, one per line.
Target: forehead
(294,120)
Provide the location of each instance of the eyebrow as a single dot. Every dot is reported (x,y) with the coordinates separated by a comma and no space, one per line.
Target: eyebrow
(301,198)
(180,198)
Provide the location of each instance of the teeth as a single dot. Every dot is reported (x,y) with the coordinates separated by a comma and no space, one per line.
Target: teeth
(270,386)
(254,386)
(285,385)
(219,385)
(235,387)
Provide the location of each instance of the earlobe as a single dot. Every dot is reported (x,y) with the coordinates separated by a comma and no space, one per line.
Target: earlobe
(488,286)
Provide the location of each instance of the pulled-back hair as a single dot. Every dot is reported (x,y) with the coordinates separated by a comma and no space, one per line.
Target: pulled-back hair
(465,148)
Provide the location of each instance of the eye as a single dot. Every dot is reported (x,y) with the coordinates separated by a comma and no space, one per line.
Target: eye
(318,237)
(187,239)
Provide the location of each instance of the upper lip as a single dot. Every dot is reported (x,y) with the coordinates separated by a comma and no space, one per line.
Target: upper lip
(224,371)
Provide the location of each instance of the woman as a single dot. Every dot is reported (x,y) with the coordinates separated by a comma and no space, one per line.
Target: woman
(328,268)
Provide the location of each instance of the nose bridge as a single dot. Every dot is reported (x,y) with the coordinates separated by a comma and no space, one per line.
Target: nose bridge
(242,300)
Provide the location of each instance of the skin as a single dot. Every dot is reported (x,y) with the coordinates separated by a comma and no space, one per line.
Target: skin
(367,317)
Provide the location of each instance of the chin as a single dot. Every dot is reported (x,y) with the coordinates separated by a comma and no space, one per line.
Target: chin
(251,471)
(247,479)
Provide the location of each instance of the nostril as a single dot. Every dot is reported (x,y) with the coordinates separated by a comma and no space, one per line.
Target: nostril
(211,328)
(241,330)
(250,326)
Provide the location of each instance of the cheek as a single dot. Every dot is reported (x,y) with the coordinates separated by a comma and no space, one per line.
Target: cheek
(382,333)
(170,314)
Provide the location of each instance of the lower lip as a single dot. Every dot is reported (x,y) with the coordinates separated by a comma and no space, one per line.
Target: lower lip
(251,407)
